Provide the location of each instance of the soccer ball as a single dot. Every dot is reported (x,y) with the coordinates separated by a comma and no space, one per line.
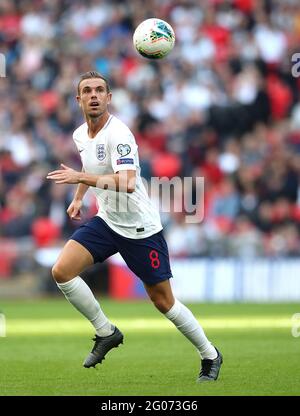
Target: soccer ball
(154,38)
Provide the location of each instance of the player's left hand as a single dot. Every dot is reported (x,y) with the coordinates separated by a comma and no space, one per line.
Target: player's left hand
(64,175)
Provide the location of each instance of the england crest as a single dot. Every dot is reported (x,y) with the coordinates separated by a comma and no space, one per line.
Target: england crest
(100,152)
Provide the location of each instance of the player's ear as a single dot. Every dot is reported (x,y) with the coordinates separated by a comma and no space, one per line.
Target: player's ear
(109,95)
(78,100)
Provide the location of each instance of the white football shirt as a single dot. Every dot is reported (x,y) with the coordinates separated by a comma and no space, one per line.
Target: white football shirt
(114,149)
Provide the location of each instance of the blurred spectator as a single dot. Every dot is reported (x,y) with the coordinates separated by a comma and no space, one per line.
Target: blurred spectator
(225,201)
(222,105)
(246,241)
(185,239)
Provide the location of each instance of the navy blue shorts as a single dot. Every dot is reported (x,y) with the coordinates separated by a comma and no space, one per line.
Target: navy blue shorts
(147,257)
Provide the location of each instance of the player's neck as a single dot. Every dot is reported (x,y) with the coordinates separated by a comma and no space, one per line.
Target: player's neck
(96,124)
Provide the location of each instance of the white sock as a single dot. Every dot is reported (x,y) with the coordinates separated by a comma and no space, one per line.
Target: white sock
(81,297)
(188,325)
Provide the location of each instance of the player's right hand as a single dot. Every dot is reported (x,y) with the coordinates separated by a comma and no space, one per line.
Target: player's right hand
(74,210)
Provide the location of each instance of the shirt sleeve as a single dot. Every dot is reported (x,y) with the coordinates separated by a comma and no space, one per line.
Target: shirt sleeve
(76,141)
(124,153)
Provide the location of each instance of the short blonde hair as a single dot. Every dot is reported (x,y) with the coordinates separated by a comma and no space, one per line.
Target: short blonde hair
(90,75)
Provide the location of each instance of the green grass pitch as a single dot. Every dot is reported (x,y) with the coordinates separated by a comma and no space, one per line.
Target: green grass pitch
(47,341)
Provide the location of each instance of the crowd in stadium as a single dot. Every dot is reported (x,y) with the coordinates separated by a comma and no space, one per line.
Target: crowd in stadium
(223,105)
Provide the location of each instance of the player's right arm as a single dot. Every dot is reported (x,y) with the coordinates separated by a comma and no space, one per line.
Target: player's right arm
(74,210)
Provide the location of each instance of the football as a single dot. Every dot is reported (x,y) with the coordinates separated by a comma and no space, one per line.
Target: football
(154,38)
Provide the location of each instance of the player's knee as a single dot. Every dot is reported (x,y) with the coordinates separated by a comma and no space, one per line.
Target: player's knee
(162,304)
(59,273)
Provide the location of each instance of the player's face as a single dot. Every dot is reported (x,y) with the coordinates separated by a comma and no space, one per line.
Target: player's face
(93,98)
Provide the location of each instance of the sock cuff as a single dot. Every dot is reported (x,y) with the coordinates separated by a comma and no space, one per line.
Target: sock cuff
(174,311)
(71,284)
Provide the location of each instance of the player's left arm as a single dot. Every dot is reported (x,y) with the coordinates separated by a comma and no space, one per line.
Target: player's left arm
(121,181)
